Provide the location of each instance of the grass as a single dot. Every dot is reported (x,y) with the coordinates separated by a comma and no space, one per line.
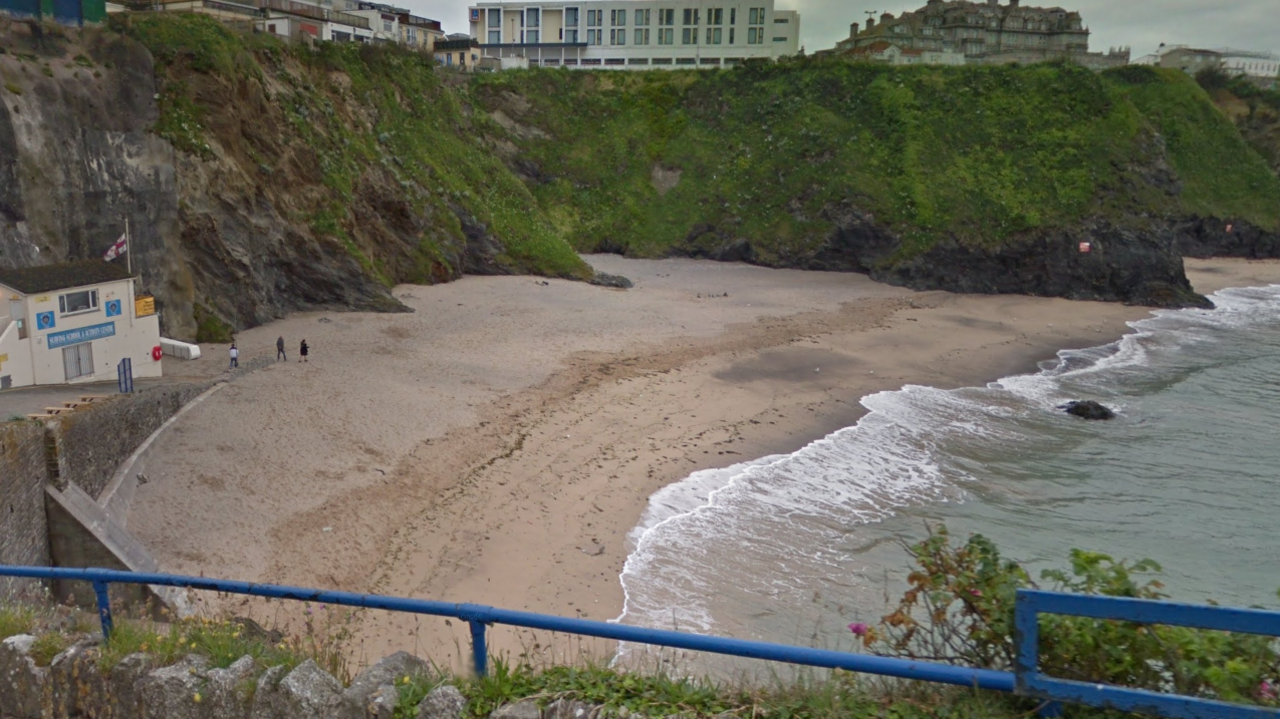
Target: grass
(376,120)
(12,88)
(210,328)
(984,155)
(16,619)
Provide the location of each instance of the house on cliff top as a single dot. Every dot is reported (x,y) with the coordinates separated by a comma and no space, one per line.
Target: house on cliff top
(985,33)
(74,322)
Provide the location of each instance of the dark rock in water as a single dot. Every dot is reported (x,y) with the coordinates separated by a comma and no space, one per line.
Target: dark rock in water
(604,279)
(1088,409)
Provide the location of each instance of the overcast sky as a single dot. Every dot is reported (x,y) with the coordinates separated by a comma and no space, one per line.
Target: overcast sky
(1140,24)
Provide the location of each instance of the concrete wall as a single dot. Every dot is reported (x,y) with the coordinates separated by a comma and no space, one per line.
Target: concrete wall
(23,532)
(92,441)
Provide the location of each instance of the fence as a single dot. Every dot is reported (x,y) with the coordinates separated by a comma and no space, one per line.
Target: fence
(1025,681)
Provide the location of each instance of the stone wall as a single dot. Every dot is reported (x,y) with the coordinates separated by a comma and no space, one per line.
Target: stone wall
(92,441)
(23,533)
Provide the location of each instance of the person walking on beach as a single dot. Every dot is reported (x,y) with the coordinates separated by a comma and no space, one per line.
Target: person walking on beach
(235,357)
(303,351)
(280,350)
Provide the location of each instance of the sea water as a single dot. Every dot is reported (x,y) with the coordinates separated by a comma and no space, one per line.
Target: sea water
(792,548)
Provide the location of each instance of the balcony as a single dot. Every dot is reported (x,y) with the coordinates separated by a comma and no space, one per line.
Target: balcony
(314,12)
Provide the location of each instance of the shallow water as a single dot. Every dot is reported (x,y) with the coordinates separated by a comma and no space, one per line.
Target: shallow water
(792,548)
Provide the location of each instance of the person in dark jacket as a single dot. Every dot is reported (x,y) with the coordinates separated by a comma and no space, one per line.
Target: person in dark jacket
(280,355)
(303,351)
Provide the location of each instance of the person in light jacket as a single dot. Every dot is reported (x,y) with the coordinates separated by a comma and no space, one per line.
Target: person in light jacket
(235,356)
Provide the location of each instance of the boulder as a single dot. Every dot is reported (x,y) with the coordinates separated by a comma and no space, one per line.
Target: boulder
(122,696)
(356,700)
(1088,409)
(604,279)
(382,703)
(307,692)
(75,681)
(227,691)
(526,709)
(22,683)
(444,702)
(175,692)
(569,709)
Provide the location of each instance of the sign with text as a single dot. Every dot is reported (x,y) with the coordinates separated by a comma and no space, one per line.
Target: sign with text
(144,306)
(84,334)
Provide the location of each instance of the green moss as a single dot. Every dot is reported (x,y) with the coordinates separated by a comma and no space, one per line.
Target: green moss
(47,646)
(16,618)
(979,154)
(11,87)
(362,111)
(210,327)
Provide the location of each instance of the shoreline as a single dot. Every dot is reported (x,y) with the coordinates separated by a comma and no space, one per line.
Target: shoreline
(524,499)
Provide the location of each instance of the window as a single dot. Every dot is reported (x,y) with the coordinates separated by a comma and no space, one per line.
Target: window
(617,37)
(689,36)
(713,36)
(591,60)
(642,36)
(571,17)
(73,302)
(495,37)
(755,36)
(755,16)
(570,35)
(531,37)
(784,21)
(638,61)
(595,18)
(666,36)
(532,16)
(615,61)
(618,18)
(733,16)
(495,18)
(386,26)
(271,28)
(779,39)
(666,17)
(593,36)
(642,18)
(661,61)
(715,16)
(690,17)
(686,61)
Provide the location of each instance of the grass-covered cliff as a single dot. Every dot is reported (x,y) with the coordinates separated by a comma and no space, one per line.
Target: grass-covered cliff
(859,166)
(260,177)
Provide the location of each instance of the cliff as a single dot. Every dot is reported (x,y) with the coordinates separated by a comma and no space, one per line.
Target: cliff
(978,179)
(257,178)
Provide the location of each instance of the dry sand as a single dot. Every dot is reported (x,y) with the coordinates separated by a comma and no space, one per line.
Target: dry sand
(497,445)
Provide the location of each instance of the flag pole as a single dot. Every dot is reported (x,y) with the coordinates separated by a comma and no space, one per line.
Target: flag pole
(128,256)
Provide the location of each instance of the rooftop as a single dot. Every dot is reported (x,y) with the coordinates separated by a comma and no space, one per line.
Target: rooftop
(45,278)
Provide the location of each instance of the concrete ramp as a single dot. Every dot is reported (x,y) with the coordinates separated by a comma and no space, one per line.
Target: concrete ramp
(82,534)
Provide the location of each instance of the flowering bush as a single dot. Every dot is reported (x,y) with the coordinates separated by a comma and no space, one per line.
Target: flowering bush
(960,608)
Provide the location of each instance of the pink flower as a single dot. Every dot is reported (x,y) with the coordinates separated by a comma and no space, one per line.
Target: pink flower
(976,592)
(1267,691)
(859,628)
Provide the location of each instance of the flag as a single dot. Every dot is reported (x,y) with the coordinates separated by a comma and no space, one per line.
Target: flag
(120,247)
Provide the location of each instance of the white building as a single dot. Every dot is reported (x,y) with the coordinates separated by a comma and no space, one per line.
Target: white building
(1260,67)
(635,34)
(74,322)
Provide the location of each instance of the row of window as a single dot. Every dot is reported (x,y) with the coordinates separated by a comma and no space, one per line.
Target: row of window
(532,17)
(613,61)
(665,36)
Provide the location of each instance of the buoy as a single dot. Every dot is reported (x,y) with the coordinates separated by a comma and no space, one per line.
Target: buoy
(1085,247)
(156,353)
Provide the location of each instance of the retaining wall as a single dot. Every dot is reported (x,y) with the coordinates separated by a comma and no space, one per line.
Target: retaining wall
(23,528)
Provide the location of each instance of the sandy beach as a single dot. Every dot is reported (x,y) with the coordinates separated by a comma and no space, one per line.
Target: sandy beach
(497,445)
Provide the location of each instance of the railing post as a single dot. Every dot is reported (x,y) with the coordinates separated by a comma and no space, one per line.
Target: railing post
(479,652)
(104,608)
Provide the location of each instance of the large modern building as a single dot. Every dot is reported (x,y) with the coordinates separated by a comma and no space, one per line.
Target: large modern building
(987,32)
(635,34)
(1261,68)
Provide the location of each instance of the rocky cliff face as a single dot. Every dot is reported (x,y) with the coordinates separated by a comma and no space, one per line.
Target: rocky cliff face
(253,179)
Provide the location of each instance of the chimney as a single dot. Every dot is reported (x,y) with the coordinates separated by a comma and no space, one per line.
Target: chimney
(853,29)
(871,22)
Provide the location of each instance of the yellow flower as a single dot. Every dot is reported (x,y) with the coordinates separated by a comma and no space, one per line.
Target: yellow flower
(197,697)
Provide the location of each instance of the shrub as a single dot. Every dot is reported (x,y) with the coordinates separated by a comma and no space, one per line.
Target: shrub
(960,609)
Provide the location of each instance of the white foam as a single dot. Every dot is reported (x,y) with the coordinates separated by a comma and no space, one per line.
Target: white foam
(726,543)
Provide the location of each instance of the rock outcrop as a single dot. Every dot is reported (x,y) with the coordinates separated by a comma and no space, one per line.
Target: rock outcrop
(1088,409)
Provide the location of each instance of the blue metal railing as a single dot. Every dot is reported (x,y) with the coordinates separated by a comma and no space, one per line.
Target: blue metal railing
(1026,680)
(1031,683)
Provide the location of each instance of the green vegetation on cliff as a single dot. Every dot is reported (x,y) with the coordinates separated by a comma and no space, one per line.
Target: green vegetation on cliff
(769,152)
(355,142)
